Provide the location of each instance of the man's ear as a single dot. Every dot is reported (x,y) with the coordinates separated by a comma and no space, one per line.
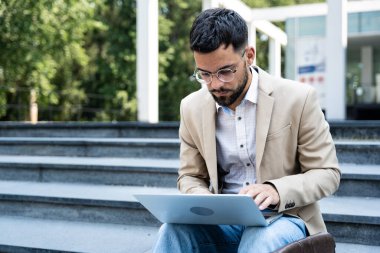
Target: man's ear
(251,54)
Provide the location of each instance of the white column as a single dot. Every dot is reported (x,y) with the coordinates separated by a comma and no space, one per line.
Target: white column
(208,4)
(366,75)
(274,57)
(147,60)
(336,43)
(252,37)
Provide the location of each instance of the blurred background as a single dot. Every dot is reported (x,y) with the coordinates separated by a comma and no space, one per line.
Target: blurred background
(76,59)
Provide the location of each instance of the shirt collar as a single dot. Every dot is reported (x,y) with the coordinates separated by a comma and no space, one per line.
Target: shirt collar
(251,94)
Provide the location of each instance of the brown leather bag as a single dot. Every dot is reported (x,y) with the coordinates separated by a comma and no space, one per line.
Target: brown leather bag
(318,243)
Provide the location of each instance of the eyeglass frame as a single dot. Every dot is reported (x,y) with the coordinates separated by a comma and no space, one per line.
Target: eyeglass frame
(202,81)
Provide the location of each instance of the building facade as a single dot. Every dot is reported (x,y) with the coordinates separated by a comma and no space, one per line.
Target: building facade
(306,60)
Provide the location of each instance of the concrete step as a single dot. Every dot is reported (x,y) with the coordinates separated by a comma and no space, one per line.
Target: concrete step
(359,180)
(77,202)
(94,170)
(20,234)
(358,152)
(91,147)
(356,248)
(53,236)
(355,129)
(353,219)
(90,129)
(349,219)
(349,129)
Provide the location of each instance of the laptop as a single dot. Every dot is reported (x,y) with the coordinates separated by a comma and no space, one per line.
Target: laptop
(231,209)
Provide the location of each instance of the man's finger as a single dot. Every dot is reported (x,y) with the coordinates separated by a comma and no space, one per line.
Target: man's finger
(243,190)
(253,192)
(266,203)
(261,198)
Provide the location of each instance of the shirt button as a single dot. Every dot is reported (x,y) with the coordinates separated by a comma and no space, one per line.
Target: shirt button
(239,118)
(241,145)
(248,164)
(246,183)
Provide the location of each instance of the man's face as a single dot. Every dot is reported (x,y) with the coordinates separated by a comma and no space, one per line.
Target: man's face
(225,93)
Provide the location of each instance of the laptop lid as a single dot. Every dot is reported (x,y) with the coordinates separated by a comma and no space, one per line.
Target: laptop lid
(219,209)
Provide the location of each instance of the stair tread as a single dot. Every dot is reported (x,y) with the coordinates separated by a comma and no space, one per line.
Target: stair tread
(356,248)
(89,139)
(356,142)
(349,206)
(75,236)
(94,161)
(142,140)
(359,208)
(347,169)
(78,191)
(367,171)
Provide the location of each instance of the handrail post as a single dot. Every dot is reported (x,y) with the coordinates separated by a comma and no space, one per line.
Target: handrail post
(33,107)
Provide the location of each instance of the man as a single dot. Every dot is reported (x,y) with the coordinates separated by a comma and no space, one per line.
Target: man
(247,132)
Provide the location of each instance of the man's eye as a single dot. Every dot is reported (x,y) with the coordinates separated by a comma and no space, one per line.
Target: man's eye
(225,72)
(205,74)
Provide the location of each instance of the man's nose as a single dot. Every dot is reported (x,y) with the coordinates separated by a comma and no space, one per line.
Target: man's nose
(216,84)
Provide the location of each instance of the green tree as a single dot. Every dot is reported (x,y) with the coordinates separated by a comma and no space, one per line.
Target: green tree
(41,48)
(176,59)
(111,82)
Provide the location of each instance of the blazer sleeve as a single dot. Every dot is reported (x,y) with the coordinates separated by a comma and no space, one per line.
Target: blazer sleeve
(320,174)
(193,175)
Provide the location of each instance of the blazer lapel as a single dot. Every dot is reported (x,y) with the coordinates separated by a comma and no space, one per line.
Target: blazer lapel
(209,141)
(263,117)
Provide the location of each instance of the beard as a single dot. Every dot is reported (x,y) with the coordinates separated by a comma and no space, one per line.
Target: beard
(229,100)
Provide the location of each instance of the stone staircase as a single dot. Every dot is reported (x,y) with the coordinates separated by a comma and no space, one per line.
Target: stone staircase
(68,187)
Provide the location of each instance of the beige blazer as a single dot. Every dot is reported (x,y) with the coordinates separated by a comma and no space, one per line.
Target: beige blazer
(294,148)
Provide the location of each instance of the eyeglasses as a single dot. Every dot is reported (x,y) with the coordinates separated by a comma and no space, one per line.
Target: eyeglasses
(225,75)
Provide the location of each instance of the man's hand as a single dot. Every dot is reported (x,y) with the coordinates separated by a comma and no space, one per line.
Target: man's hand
(263,194)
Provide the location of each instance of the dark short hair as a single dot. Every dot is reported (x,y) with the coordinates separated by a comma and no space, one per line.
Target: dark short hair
(215,27)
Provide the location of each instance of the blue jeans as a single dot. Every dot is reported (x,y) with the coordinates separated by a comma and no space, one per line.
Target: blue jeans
(183,238)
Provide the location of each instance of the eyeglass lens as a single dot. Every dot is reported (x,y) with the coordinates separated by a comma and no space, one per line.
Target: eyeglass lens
(224,75)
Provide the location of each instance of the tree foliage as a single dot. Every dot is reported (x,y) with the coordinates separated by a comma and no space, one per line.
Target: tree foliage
(177,67)
(111,82)
(42,47)
(79,56)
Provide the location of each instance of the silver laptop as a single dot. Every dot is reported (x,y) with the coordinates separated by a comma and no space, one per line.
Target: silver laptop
(219,209)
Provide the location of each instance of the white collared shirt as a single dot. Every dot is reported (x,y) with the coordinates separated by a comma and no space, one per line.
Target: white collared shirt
(236,141)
